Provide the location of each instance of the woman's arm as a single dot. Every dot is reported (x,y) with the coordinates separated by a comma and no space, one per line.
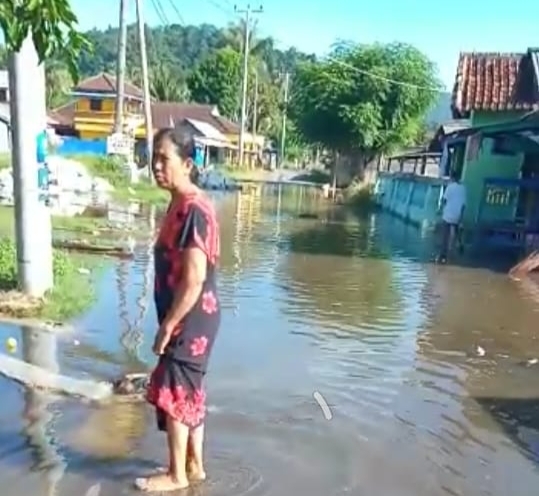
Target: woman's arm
(189,289)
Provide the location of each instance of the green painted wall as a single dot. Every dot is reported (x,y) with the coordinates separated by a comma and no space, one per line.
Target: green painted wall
(489,165)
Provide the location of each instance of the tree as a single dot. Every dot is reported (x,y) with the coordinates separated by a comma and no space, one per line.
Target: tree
(216,81)
(166,84)
(351,104)
(58,84)
(52,26)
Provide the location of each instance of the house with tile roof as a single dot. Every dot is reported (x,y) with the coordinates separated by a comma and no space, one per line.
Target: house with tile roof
(493,89)
(90,115)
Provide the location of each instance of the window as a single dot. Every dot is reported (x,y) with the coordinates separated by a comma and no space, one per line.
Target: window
(502,146)
(3,94)
(95,104)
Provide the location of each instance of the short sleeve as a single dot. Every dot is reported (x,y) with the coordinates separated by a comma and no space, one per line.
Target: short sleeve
(199,230)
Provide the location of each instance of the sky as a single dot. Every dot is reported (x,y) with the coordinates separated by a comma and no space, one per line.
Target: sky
(314,25)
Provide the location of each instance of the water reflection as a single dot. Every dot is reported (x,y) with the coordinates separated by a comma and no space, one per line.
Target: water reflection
(40,348)
(346,305)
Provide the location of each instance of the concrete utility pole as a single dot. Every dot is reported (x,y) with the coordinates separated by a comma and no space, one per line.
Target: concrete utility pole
(32,217)
(248,11)
(120,69)
(255,104)
(255,107)
(283,130)
(146,86)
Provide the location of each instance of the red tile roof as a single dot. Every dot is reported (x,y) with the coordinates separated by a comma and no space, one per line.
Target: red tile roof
(495,81)
(63,115)
(105,83)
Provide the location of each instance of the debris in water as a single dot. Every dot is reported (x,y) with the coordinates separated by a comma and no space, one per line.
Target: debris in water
(11,345)
(532,361)
(76,342)
(94,490)
(84,271)
(323,405)
(480,351)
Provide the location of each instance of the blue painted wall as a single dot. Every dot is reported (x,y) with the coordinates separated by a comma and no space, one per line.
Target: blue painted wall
(77,146)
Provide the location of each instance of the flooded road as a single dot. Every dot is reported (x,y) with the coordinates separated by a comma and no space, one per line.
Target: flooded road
(424,368)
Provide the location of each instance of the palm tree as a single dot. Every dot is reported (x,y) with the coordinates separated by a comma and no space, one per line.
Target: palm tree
(165,84)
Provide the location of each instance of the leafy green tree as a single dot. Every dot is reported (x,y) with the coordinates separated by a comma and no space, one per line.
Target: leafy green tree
(216,81)
(52,25)
(58,84)
(339,104)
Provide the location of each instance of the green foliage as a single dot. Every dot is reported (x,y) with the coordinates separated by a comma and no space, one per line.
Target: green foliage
(58,83)
(72,292)
(111,169)
(337,104)
(52,25)
(217,79)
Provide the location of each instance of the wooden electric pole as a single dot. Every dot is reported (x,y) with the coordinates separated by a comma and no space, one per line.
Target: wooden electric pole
(283,129)
(146,86)
(248,11)
(120,69)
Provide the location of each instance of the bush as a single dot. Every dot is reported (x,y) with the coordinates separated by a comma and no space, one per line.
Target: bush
(63,265)
(72,293)
(359,194)
(109,167)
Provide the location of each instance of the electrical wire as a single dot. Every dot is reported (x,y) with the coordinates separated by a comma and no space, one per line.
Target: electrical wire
(160,11)
(362,71)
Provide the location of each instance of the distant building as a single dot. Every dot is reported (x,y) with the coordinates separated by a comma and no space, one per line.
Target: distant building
(4,112)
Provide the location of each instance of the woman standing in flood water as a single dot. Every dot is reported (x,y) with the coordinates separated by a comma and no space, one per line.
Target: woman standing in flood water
(186,254)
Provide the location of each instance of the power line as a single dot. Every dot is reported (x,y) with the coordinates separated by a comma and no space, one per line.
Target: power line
(160,11)
(177,11)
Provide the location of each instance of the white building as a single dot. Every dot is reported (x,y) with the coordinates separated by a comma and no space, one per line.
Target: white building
(4,112)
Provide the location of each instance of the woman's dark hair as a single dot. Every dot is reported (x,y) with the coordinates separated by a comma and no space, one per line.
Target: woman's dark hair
(180,137)
(184,141)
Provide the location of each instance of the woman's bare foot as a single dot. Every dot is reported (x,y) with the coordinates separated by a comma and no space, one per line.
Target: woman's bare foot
(163,482)
(195,471)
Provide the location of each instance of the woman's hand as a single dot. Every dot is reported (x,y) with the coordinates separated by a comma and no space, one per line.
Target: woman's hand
(162,338)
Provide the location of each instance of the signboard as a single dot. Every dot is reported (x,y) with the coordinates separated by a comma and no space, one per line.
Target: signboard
(120,144)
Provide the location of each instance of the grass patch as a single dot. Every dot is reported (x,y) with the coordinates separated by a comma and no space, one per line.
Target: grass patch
(76,224)
(111,169)
(5,160)
(72,294)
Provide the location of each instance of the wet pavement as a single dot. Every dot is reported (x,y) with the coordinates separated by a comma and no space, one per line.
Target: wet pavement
(428,370)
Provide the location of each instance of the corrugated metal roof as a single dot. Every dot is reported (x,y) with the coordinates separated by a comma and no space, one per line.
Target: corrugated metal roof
(455,125)
(207,130)
(534,55)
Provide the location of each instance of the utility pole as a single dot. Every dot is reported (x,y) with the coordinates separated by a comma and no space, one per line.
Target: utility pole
(32,217)
(283,129)
(248,11)
(120,69)
(146,86)
(255,108)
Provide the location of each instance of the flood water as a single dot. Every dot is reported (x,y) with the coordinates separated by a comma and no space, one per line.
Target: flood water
(424,368)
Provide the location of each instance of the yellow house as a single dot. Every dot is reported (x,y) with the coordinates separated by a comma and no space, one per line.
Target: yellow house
(95,106)
(90,116)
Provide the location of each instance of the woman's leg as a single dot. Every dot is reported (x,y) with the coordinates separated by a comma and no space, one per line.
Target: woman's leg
(176,477)
(195,459)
